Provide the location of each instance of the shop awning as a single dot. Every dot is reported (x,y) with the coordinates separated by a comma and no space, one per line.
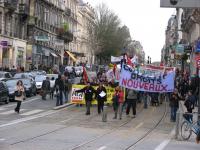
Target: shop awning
(71,56)
(54,55)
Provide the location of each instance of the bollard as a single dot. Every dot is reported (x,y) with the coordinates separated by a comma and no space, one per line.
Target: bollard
(104,117)
(177,124)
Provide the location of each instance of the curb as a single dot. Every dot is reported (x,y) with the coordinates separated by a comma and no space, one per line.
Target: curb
(62,106)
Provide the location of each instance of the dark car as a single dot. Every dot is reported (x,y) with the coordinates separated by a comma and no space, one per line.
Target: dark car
(30,87)
(11,84)
(5,75)
(4,93)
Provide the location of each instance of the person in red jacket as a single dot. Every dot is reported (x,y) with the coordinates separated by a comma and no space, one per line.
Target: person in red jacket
(118,99)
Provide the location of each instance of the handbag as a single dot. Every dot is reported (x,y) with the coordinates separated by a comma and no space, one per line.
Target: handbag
(18,93)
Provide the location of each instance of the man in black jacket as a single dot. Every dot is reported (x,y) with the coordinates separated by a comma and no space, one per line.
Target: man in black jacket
(89,91)
(45,88)
(60,86)
(101,96)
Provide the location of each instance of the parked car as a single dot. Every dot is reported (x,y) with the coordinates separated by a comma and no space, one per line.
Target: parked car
(24,75)
(30,87)
(4,92)
(5,75)
(38,80)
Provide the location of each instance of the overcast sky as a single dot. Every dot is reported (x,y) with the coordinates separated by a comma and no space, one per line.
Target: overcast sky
(146,20)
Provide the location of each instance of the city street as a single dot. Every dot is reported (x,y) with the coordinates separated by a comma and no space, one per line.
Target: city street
(40,127)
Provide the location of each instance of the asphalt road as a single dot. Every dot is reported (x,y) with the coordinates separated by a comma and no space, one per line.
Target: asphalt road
(40,127)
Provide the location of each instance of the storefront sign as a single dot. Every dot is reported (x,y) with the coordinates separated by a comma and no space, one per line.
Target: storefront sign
(179,49)
(160,82)
(42,38)
(78,98)
(4,43)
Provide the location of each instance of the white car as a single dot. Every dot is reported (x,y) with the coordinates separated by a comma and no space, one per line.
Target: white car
(38,80)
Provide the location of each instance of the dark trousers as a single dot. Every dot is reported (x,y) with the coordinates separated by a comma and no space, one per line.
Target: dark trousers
(44,94)
(131,104)
(88,105)
(173,113)
(17,109)
(59,98)
(100,104)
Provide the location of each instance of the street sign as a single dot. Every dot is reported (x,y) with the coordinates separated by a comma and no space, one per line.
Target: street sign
(180,3)
(42,38)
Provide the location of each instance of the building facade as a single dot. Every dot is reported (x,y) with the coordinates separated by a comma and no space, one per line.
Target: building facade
(86,17)
(13,29)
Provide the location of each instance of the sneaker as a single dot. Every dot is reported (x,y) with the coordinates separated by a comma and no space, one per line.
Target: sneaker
(133,116)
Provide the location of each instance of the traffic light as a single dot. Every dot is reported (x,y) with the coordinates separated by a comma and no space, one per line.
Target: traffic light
(173,2)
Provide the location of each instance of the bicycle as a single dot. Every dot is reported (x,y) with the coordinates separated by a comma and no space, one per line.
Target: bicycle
(188,126)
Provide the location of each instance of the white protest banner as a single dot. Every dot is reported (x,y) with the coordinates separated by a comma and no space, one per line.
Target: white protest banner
(161,83)
(116,59)
(110,75)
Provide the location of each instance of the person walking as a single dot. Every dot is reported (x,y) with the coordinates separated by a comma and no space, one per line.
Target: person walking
(189,104)
(132,101)
(45,88)
(66,87)
(59,87)
(89,91)
(101,96)
(118,99)
(19,95)
(174,104)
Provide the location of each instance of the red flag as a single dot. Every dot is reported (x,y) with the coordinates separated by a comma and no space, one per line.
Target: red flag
(114,68)
(85,76)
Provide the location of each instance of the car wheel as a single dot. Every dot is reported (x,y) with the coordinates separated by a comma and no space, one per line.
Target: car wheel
(7,100)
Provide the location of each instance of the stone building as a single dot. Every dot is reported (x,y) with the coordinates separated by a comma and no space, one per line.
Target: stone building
(13,29)
(49,32)
(86,17)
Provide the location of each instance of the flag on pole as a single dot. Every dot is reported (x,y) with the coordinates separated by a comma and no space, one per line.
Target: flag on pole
(85,76)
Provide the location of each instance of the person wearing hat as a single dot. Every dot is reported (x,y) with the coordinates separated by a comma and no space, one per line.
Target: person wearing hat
(89,91)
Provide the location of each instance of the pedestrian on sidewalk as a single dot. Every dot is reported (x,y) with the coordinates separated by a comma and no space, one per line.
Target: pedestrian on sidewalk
(101,96)
(66,88)
(19,95)
(89,91)
(59,87)
(118,99)
(45,88)
(132,101)
(174,104)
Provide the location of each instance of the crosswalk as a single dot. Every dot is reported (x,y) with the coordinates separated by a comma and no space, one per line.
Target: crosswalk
(23,112)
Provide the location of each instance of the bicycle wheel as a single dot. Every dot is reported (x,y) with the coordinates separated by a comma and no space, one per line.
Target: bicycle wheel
(186,131)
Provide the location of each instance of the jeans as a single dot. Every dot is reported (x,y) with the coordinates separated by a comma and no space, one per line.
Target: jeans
(17,109)
(173,113)
(66,96)
(118,109)
(145,102)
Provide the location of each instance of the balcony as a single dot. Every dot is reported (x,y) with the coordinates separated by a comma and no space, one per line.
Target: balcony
(67,36)
(11,5)
(68,11)
(23,10)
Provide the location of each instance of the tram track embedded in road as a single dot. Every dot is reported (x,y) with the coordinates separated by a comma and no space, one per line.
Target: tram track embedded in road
(149,131)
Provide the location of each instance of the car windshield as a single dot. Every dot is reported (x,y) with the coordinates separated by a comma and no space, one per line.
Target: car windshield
(11,83)
(26,81)
(40,78)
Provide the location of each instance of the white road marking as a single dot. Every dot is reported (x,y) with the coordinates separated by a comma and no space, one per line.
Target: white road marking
(139,125)
(10,112)
(26,101)
(50,112)
(163,145)
(2,139)
(65,120)
(102,148)
(31,112)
